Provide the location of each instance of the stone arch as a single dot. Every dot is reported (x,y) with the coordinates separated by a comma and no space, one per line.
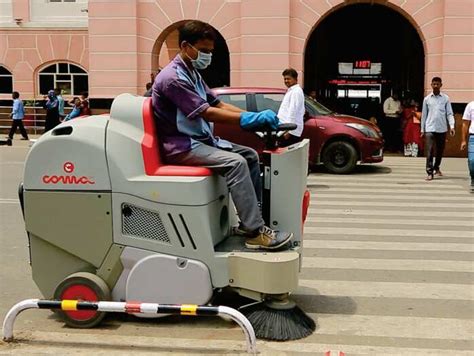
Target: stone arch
(328,20)
(407,15)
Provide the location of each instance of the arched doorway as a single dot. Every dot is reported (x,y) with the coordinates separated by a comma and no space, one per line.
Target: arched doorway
(166,47)
(359,54)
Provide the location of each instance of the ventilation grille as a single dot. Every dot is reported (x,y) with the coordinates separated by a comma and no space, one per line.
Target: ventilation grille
(144,224)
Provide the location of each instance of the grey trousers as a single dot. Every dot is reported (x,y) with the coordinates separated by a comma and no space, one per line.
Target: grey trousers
(241,169)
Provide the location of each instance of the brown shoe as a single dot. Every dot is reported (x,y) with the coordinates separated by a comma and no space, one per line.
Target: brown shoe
(438,173)
(268,239)
(429,177)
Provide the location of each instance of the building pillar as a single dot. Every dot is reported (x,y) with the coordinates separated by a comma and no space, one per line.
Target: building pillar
(265,43)
(21,10)
(113,48)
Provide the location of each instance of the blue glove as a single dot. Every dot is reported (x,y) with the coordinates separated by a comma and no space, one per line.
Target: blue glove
(262,120)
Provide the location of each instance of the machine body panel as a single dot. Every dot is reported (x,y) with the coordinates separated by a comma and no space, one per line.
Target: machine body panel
(288,173)
(77,222)
(51,264)
(69,157)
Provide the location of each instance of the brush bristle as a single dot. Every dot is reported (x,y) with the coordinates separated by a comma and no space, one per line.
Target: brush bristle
(277,324)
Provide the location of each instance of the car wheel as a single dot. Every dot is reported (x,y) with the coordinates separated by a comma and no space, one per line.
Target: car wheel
(340,157)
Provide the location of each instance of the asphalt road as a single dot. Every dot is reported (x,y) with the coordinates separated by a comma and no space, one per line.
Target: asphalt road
(388,269)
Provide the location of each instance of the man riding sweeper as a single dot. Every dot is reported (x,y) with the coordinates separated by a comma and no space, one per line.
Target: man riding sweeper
(183,104)
(107,219)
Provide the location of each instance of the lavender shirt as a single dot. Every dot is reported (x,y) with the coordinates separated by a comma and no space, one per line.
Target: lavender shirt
(179,96)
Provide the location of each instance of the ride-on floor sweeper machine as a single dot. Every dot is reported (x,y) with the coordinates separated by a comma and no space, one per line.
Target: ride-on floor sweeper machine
(108,220)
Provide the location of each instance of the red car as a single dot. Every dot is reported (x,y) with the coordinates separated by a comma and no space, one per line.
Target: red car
(337,141)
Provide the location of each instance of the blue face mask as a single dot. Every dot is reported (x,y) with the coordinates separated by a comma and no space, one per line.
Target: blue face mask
(202,61)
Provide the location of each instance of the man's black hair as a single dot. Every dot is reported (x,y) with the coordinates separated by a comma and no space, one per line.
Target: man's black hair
(436,79)
(15,95)
(291,72)
(194,31)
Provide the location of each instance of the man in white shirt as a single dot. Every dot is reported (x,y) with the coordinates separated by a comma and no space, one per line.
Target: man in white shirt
(292,107)
(436,115)
(392,109)
(468,130)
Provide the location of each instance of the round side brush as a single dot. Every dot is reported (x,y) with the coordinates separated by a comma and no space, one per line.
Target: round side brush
(278,320)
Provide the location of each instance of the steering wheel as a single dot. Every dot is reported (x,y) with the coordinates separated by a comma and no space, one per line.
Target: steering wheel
(271,136)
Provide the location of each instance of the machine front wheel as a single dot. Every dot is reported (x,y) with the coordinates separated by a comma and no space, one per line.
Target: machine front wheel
(340,157)
(82,286)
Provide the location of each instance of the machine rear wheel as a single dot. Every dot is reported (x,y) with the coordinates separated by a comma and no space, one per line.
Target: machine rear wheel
(340,157)
(82,286)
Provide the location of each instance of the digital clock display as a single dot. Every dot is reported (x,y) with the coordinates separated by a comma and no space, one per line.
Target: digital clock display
(363,64)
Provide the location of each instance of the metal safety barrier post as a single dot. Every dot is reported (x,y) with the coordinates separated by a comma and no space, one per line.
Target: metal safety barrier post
(131,308)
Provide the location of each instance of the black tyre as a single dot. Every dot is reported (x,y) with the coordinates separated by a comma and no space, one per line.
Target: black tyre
(340,157)
(85,287)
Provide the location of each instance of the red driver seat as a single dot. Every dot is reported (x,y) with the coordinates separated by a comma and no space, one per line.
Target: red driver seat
(154,166)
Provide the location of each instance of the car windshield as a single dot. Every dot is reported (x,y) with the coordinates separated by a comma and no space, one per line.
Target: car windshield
(273,101)
(315,108)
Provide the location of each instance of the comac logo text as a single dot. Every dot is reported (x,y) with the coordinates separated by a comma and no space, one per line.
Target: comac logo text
(68,167)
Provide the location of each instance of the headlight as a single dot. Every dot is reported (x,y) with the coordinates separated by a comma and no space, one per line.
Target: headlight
(366,130)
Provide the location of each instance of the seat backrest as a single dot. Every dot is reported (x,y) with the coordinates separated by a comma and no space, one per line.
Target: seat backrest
(153,163)
(150,146)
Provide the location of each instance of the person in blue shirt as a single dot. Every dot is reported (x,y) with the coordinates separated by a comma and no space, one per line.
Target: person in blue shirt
(52,111)
(76,111)
(57,92)
(17,115)
(436,118)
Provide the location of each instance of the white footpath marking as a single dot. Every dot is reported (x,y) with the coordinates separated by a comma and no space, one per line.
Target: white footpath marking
(314,212)
(9,201)
(395,326)
(386,264)
(386,289)
(55,343)
(388,197)
(319,202)
(423,193)
(394,246)
(386,232)
(399,222)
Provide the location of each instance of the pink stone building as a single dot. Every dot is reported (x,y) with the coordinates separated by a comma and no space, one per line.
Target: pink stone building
(111,46)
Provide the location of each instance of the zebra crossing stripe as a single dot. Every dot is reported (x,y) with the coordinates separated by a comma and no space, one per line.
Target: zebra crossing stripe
(387,264)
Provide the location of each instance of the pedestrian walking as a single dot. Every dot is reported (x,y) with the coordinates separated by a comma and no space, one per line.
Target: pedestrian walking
(60,98)
(437,115)
(52,111)
(413,143)
(17,115)
(468,132)
(392,109)
(292,107)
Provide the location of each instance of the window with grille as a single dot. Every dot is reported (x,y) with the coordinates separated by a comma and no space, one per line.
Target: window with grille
(6,81)
(71,79)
